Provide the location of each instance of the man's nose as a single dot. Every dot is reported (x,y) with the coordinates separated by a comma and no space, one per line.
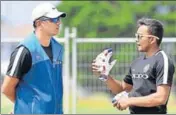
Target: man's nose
(136,40)
(58,23)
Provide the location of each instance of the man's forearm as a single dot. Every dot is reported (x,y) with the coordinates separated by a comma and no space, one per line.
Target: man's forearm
(8,87)
(10,94)
(146,101)
(114,85)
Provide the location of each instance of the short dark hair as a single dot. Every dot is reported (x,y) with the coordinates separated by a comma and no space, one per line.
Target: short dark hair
(34,24)
(155,27)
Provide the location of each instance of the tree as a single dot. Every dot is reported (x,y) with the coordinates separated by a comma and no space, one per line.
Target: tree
(96,18)
(115,18)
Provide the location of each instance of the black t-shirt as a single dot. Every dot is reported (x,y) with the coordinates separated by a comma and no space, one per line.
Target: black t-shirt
(145,75)
(21,61)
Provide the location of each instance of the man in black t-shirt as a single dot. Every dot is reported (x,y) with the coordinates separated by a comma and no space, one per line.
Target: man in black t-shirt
(150,77)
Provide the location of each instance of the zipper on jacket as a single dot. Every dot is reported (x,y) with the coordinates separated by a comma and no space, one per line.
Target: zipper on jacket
(55,108)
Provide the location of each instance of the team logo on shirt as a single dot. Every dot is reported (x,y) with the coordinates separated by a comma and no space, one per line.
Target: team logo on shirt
(37,57)
(58,62)
(146,68)
(133,69)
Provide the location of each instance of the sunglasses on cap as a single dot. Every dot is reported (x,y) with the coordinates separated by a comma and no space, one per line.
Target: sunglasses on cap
(139,36)
(54,20)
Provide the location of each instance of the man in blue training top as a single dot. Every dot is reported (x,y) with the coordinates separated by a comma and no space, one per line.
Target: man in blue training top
(34,77)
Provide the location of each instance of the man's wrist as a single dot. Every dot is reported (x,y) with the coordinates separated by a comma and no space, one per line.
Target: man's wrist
(103,77)
(129,101)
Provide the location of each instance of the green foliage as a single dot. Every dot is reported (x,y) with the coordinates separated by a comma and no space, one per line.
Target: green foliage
(115,18)
(106,19)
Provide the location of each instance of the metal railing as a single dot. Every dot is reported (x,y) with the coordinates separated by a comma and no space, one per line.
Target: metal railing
(84,50)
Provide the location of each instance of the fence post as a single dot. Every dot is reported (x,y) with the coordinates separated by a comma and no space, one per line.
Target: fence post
(74,70)
(66,79)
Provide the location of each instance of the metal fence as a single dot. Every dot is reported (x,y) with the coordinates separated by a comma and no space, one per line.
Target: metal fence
(78,77)
(84,50)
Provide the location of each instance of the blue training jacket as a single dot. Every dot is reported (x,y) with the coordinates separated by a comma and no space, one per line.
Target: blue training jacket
(41,89)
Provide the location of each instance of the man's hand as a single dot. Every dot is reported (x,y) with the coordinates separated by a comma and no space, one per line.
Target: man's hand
(8,87)
(119,101)
(95,68)
(101,65)
(12,112)
(122,103)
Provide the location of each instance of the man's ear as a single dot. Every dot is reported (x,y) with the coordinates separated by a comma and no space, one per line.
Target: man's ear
(37,23)
(153,40)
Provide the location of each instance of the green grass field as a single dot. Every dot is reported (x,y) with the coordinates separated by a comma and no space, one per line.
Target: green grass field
(6,105)
(95,104)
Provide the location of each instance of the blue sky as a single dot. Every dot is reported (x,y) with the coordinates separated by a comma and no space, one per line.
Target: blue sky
(19,12)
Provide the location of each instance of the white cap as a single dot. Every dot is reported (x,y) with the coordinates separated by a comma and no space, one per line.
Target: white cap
(47,10)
